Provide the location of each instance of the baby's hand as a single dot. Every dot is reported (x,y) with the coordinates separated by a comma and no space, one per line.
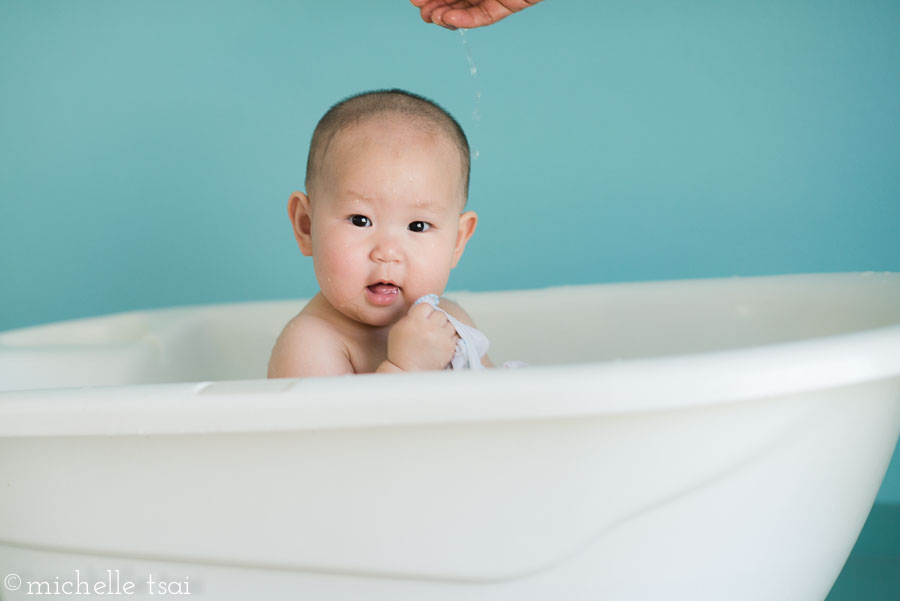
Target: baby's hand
(424,339)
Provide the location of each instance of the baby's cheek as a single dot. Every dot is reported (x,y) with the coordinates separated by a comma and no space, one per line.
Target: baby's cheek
(432,273)
(338,259)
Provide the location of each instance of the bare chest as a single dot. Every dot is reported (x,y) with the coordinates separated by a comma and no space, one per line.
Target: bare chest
(367,352)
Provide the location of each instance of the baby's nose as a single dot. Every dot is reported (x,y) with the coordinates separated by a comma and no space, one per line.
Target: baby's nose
(386,250)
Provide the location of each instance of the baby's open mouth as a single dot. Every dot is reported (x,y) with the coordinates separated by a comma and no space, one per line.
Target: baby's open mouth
(384,289)
(383,294)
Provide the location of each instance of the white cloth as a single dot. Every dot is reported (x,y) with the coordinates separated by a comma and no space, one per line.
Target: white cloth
(472,344)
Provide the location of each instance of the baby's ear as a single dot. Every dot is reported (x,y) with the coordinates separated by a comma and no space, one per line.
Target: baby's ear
(468,221)
(301,220)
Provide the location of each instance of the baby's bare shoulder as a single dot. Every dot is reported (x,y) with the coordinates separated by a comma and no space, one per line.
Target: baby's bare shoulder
(309,346)
(456,311)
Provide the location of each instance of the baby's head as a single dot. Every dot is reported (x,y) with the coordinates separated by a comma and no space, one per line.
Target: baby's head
(386,180)
(397,105)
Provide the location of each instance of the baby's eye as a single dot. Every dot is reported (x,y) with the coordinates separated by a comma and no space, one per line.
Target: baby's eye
(360,221)
(419,226)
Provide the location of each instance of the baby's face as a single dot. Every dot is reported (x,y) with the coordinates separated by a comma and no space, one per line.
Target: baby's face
(385,220)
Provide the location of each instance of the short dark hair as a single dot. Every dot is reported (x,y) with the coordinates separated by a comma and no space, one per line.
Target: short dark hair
(378,102)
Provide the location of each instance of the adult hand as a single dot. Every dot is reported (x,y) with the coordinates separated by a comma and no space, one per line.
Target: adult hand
(467,14)
(423,339)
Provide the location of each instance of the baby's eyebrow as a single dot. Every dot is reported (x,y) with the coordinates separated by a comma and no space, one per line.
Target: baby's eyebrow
(427,204)
(350,197)
(355,201)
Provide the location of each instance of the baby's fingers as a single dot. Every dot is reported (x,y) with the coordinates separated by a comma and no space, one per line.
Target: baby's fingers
(422,311)
(440,322)
(438,318)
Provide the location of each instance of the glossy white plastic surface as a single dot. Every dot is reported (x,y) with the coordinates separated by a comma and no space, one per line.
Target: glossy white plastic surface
(707,439)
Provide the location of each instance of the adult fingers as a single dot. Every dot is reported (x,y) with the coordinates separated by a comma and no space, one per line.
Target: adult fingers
(467,14)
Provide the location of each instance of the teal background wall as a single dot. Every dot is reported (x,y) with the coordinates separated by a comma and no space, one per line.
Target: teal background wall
(148,147)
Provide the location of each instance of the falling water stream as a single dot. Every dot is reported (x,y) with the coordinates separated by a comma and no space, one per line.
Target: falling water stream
(473,70)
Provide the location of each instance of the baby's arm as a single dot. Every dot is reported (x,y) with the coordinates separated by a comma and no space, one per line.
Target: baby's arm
(309,347)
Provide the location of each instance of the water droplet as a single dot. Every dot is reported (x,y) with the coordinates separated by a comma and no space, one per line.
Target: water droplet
(475,155)
(473,71)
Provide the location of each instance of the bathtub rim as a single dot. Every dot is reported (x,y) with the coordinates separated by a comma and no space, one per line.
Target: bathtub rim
(628,386)
(9,338)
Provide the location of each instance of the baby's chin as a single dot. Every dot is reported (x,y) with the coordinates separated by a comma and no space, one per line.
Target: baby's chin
(379,319)
(365,314)
(381,322)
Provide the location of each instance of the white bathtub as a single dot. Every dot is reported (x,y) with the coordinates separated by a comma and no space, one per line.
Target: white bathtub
(702,440)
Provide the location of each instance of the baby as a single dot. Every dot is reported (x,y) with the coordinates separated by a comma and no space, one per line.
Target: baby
(383,218)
